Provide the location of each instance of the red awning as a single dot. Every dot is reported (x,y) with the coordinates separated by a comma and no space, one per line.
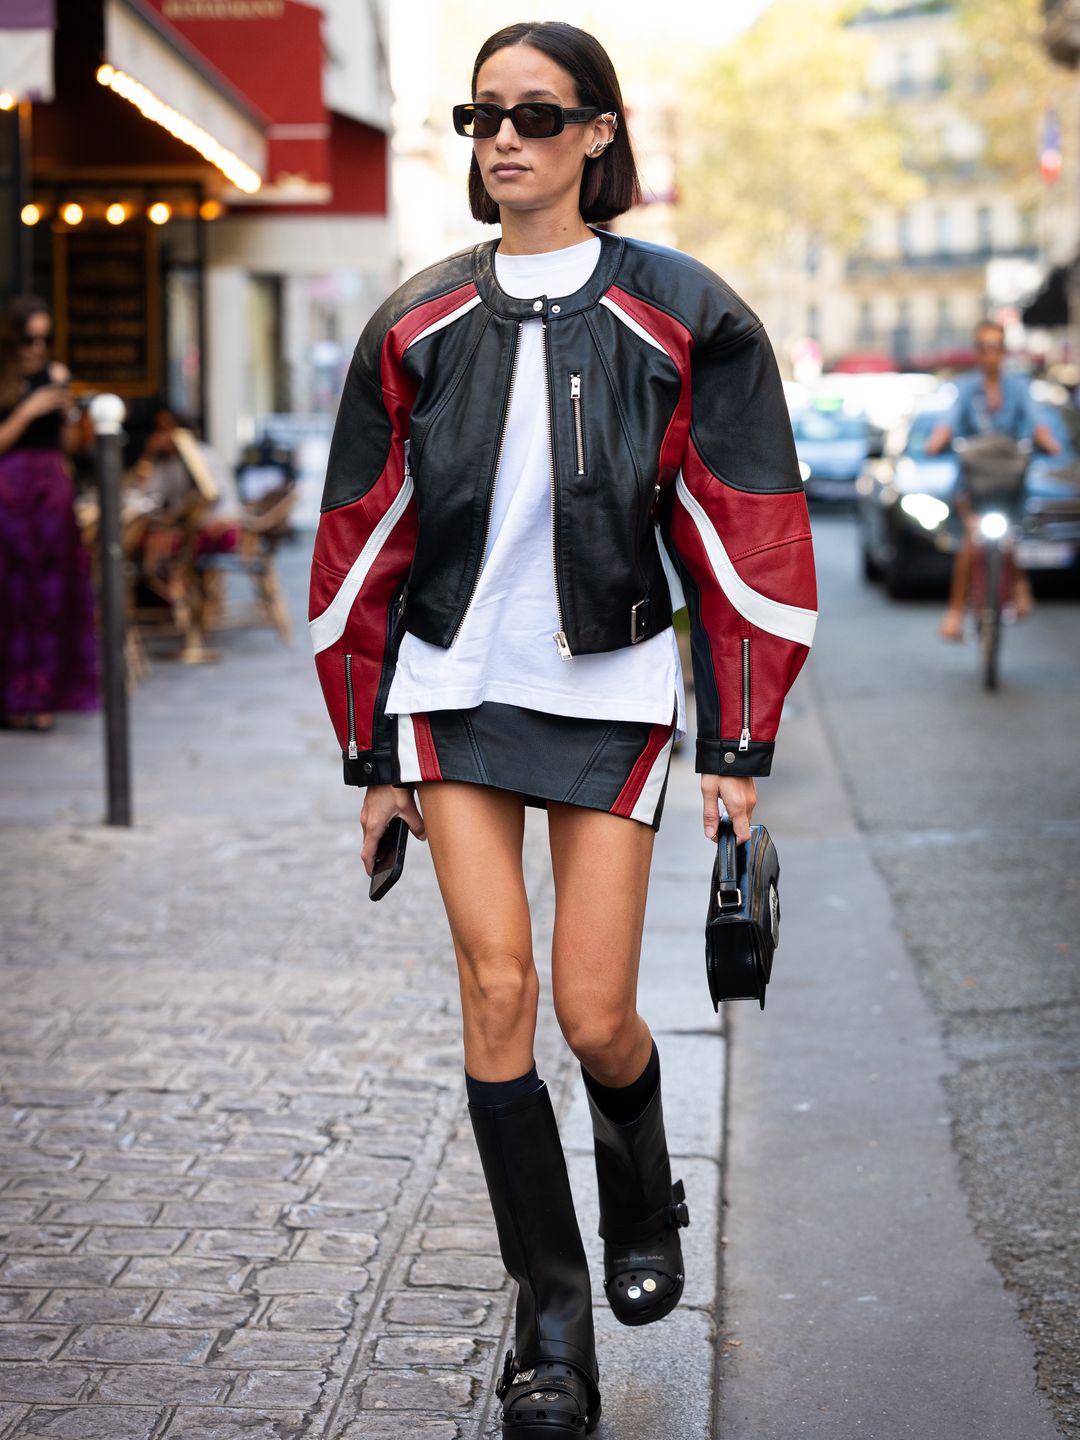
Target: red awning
(272,51)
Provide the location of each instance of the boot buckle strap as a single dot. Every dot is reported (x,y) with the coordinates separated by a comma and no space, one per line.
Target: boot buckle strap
(673,1216)
(506,1379)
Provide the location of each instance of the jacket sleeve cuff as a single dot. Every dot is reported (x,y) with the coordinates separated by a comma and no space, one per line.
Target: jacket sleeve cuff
(723,757)
(371,767)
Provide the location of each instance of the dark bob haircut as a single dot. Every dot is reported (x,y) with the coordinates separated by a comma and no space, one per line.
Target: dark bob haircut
(610,184)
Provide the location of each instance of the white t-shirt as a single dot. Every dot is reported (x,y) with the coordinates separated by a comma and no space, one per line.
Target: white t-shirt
(505,650)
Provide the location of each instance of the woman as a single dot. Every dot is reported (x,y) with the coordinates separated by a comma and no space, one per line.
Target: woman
(47,637)
(491,616)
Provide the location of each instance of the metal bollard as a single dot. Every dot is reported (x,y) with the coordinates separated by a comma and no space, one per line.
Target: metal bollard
(107,414)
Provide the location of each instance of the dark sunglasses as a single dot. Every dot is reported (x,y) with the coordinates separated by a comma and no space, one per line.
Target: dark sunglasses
(29,340)
(535,121)
(989,345)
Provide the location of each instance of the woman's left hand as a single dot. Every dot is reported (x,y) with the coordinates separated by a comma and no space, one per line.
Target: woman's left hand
(738,794)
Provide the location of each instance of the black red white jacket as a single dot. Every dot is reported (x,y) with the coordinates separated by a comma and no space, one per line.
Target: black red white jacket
(666,409)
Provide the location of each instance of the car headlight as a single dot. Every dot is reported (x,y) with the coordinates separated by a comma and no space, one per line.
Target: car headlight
(927,510)
(804,471)
(994,525)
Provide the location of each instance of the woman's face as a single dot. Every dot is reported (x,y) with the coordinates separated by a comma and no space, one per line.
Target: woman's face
(34,347)
(532,174)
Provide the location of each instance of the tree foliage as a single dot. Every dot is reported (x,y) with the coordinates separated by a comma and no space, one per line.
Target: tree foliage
(778,143)
(1009,83)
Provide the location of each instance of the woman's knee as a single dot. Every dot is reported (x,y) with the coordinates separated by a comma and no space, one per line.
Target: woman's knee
(599,1036)
(499,990)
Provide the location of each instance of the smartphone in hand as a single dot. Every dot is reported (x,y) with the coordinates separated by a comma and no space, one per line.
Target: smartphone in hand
(389,858)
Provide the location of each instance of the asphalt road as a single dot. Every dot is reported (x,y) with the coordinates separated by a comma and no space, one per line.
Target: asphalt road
(968,806)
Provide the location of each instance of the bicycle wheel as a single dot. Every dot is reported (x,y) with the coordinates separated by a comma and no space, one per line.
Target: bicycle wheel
(990,617)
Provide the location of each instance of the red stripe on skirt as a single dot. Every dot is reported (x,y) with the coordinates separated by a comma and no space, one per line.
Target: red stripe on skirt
(629,795)
(425,749)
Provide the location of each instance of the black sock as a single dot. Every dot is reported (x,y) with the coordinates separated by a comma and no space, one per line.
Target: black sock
(499,1092)
(623,1103)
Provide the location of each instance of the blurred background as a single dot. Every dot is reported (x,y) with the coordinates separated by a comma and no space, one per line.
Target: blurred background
(214,195)
(229,1087)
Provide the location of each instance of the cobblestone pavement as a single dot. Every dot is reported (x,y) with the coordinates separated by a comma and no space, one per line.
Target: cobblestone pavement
(238,1189)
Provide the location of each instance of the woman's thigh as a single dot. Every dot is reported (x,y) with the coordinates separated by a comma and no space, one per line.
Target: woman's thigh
(475,833)
(601,867)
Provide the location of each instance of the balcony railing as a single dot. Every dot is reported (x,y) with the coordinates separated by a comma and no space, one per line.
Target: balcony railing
(920,260)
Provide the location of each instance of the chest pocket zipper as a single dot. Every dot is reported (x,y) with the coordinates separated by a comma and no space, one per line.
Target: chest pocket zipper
(579,427)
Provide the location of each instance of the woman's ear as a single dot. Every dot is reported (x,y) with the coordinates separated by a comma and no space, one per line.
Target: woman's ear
(602,133)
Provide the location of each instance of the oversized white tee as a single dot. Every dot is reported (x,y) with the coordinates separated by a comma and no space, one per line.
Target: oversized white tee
(505,650)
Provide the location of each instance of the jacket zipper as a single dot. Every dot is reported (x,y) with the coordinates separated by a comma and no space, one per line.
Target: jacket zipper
(494,477)
(579,432)
(561,642)
(744,738)
(350,708)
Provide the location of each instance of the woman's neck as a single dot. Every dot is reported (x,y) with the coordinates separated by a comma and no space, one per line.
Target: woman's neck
(535,232)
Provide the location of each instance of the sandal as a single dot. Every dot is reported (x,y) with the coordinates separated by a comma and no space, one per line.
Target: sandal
(551,1399)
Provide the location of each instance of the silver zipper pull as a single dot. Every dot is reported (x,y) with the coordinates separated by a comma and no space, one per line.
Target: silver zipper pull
(744,740)
(354,752)
(575,387)
(563,645)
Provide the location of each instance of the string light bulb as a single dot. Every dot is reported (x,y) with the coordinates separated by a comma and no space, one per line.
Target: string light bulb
(72,214)
(159,212)
(179,126)
(211,209)
(7,100)
(116,213)
(30,214)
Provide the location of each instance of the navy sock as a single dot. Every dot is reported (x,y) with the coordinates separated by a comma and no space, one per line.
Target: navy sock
(624,1103)
(499,1092)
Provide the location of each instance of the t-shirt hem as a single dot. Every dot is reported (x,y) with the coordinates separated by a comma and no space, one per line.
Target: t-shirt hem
(551,703)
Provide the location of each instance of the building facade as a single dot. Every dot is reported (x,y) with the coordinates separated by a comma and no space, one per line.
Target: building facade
(910,292)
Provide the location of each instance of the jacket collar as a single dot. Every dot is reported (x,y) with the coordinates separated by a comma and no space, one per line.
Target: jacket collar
(497,300)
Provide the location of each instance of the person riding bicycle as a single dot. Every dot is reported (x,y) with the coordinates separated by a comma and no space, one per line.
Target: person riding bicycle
(988,402)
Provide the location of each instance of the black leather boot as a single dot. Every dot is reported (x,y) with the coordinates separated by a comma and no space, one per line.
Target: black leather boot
(549,1382)
(641,1213)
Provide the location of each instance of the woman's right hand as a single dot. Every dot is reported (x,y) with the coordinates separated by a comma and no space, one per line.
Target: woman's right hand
(44,400)
(381,804)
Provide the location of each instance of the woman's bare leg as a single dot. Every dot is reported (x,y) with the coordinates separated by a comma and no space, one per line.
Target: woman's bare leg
(601,866)
(475,833)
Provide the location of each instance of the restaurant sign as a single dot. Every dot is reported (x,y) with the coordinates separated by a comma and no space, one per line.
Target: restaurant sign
(223,9)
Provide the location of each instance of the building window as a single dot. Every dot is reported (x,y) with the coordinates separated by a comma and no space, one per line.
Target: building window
(813,322)
(903,232)
(813,254)
(866,322)
(1028,218)
(984,228)
(943,231)
(944,318)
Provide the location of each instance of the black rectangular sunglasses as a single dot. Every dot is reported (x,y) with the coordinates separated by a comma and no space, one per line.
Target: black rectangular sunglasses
(536,120)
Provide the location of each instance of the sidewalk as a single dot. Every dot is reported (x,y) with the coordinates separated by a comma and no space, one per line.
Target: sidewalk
(238,1188)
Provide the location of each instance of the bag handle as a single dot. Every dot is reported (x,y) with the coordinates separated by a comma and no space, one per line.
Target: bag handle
(728,896)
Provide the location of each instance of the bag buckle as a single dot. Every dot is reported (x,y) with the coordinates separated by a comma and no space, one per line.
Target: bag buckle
(729,897)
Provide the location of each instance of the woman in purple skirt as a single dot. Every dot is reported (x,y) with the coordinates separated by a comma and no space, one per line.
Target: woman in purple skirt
(47,637)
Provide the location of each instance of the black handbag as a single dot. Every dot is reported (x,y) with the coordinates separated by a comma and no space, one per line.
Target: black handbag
(743,926)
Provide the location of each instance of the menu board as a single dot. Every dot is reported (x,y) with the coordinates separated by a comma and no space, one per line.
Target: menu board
(107,307)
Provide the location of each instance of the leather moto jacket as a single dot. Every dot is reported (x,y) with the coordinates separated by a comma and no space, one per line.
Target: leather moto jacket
(668,425)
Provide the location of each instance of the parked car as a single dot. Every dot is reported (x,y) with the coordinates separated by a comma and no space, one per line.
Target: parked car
(905,501)
(833,446)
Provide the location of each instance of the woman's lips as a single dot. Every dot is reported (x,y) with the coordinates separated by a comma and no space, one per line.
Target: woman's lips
(508,170)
